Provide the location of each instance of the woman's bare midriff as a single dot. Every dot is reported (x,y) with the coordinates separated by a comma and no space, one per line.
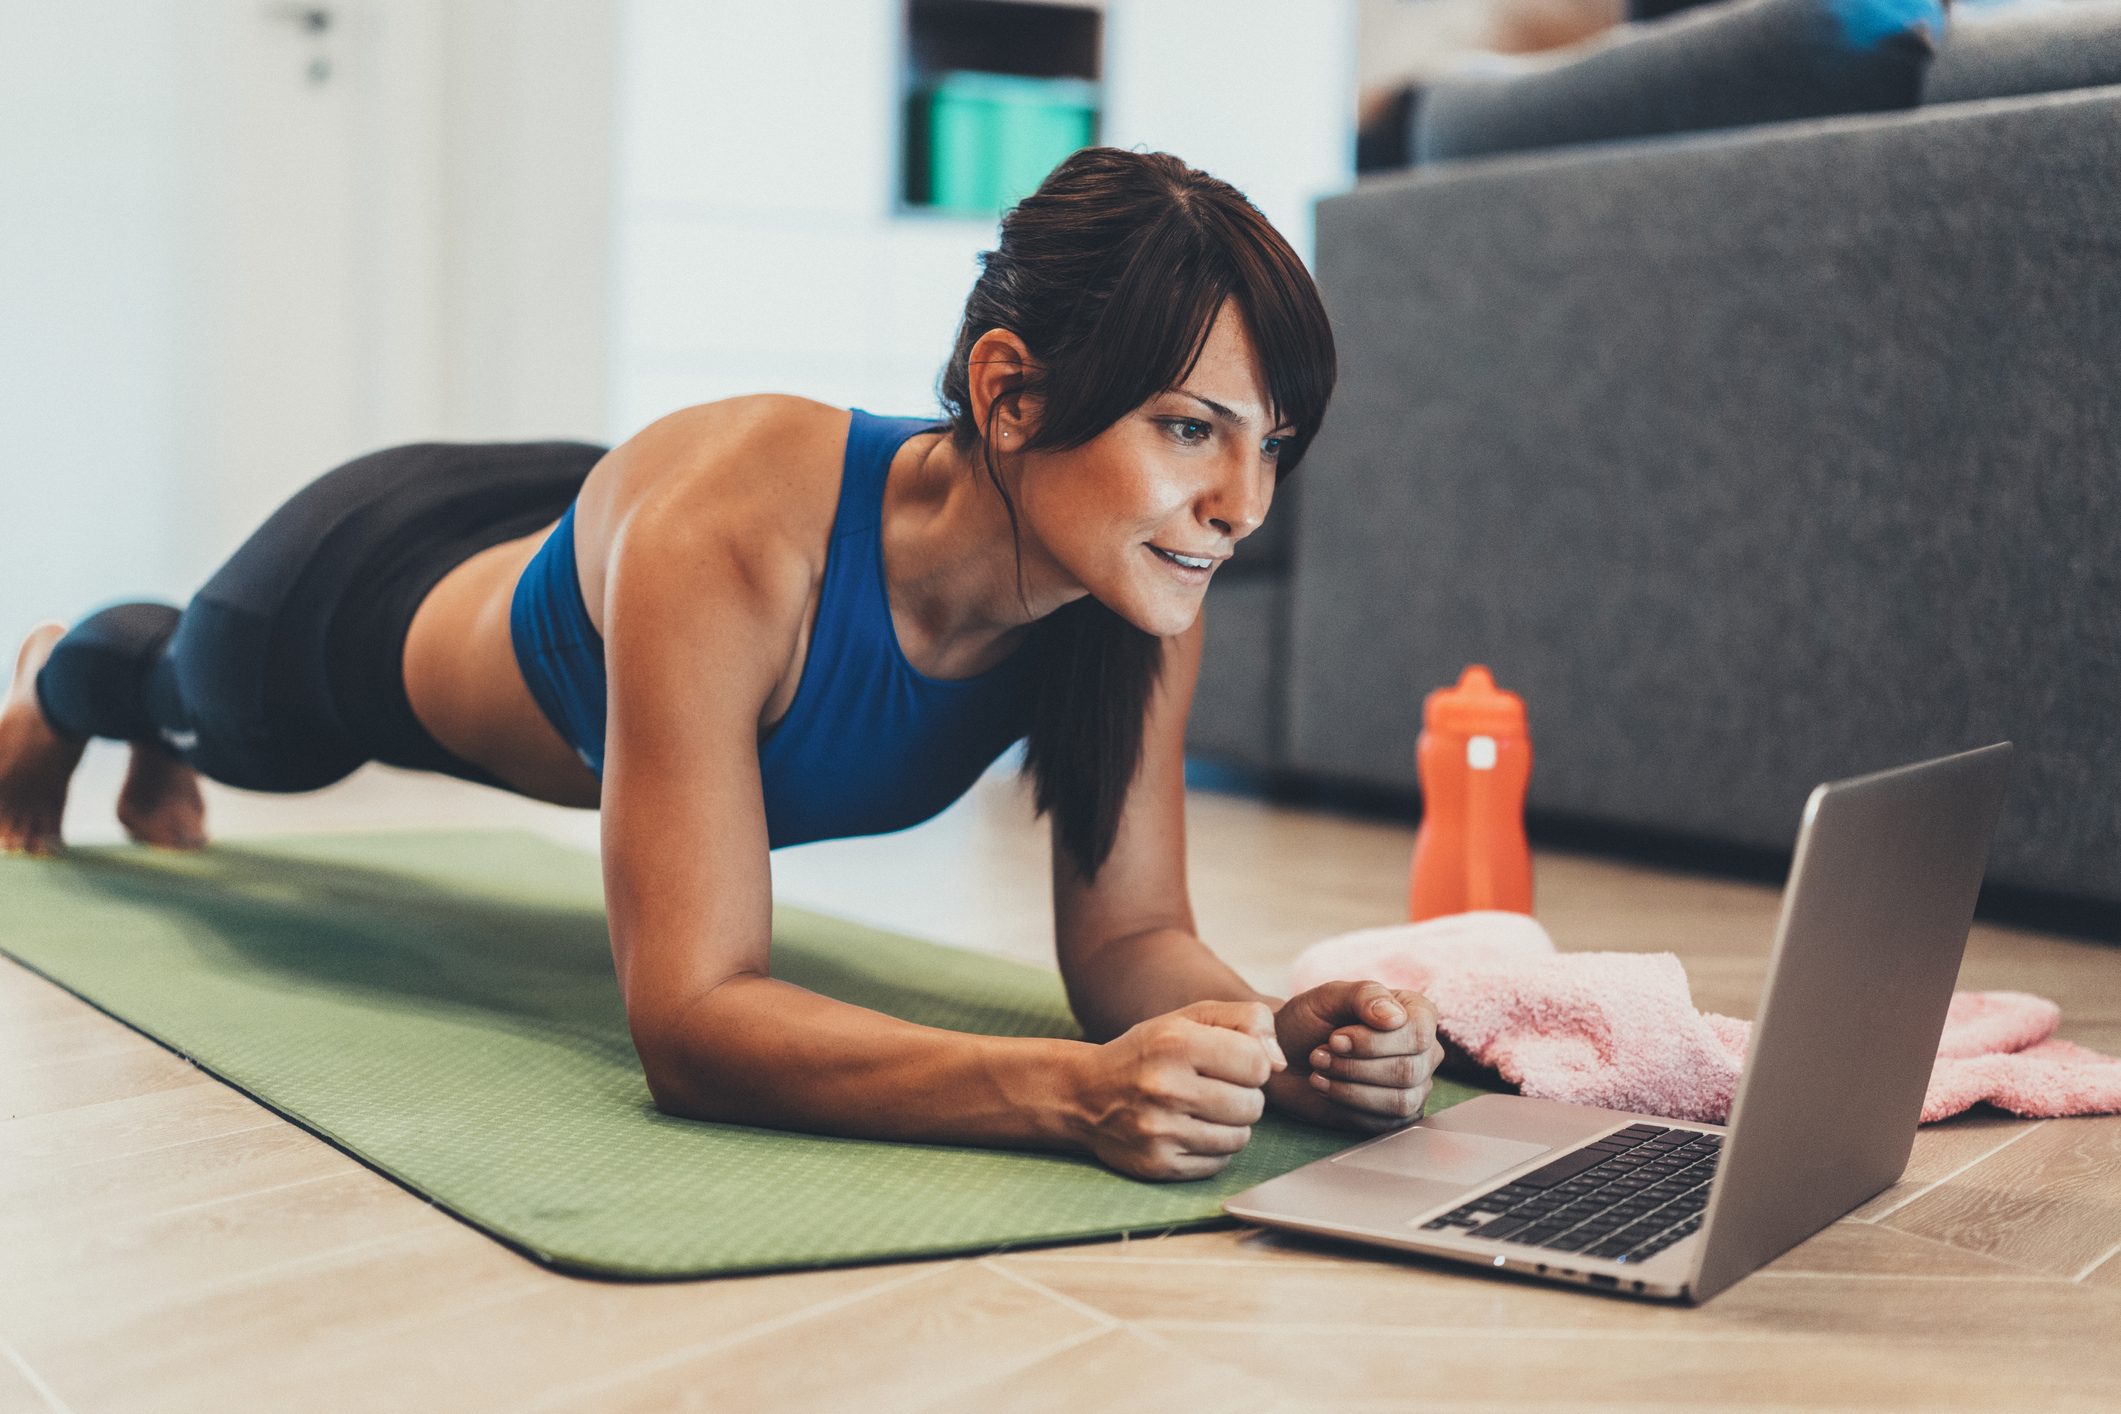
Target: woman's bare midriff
(461,673)
(466,688)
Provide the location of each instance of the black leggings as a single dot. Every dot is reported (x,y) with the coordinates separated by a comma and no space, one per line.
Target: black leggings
(285,672)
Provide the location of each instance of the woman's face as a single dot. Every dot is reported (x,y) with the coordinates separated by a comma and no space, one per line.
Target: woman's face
(1189,473)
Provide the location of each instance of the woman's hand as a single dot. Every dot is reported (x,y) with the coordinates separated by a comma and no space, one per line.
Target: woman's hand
(1363,1056)
(1176,1096)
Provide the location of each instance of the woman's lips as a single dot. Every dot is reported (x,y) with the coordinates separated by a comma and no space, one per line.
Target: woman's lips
(1185,572)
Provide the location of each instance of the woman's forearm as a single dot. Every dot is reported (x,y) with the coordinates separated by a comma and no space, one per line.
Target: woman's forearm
(1133,979)
(761,1051)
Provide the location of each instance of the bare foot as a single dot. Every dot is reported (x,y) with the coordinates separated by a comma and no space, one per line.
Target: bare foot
(36,761)
(160,802)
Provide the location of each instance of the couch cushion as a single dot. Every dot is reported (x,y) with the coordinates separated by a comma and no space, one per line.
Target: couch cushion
(1718,66)
(1995,51)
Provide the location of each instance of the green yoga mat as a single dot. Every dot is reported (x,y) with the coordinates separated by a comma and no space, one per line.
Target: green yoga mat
(442,1006)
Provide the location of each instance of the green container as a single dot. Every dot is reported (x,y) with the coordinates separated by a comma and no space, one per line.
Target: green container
(992,138)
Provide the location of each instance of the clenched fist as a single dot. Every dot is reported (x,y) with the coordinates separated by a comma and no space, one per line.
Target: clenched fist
(1176,1096)
(1364,1055)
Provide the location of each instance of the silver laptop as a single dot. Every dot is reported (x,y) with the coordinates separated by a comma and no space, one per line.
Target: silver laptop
(1874,920)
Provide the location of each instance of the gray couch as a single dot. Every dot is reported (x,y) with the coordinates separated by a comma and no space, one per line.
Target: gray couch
(1751,458)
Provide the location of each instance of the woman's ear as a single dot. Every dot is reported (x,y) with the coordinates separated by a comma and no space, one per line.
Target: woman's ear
(997,372)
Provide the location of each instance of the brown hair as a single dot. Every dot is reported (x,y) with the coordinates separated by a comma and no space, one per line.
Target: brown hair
(1112,273)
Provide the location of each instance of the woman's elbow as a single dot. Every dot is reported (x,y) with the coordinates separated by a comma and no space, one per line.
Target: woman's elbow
(686,1092)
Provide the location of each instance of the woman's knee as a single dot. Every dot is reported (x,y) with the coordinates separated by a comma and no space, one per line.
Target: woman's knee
(203,685)
(96,681)
(249,713)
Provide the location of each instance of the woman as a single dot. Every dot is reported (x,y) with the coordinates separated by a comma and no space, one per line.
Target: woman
(766,620)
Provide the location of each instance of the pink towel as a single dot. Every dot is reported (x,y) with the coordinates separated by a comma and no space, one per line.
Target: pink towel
(1619,1030)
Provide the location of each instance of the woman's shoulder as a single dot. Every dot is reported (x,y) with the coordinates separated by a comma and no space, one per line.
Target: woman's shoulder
(771,448)
(751,470)
(750,484)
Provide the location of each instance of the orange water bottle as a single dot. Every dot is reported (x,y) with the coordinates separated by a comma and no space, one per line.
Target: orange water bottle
(1475,757)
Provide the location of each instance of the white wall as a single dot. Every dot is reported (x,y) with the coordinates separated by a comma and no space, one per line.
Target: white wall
(90,288)
(757,246)
(219,278)
(416,250)
(528,180)
(1258,92)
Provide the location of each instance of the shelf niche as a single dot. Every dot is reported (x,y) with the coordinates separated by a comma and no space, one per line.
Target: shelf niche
(995,94)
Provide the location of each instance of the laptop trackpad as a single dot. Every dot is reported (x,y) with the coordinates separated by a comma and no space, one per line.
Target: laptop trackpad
(1442,1155)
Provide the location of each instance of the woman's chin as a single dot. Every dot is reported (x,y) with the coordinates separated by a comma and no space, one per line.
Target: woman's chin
(1164,620)
(1165,610)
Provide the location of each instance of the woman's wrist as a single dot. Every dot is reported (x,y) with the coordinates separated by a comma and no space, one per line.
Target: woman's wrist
(1042,1077)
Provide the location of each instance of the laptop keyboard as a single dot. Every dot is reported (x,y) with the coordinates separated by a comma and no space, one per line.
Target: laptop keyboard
(1627,1197)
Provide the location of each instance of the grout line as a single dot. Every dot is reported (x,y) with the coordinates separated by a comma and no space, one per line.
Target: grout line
(1795,1339)
(500,1292)
(764,1328)
(188,1082)
(266,1123)
(2017,1273)
(35,1380)
(1159,1339)
(2016,1267)
(129,1044)
(295,1264)
(1178,1324)
(2099,1262)
(339,1340)
(117,1052)
(1082,1308)
(2021,1276)
(161,1213)
(12,1017)
(1929,1188)
(1277,1263)
(1017,1367)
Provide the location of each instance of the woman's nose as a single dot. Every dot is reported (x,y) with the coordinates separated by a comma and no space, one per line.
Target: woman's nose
(1241,504)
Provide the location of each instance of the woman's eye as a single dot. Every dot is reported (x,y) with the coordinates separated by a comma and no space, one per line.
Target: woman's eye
(1272,446)
(1181,424)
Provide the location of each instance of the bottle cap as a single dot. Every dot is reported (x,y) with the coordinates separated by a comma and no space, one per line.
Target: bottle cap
(1476,706)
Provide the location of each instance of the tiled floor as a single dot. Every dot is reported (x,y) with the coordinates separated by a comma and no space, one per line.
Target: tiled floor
(165,1243)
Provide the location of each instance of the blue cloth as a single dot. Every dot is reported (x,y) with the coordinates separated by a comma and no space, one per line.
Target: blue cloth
(870,744)
(1867,24)
(1731,65)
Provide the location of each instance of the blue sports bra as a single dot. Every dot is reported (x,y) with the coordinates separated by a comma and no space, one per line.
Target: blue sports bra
(870,744)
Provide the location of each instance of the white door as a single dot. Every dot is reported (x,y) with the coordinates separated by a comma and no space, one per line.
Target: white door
(220,257)
(242,241)
(316,228)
